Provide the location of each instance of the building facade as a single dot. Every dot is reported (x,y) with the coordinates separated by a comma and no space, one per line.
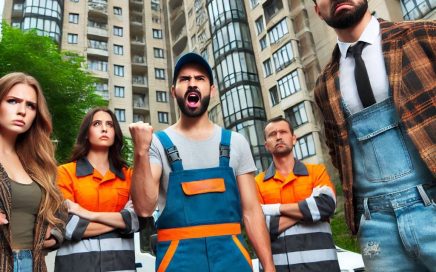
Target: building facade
(125,46)
(265,54)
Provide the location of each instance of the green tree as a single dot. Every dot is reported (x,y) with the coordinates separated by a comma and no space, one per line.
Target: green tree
(68,88)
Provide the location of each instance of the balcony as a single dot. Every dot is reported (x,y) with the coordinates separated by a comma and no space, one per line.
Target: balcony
(139,64)
(140,103)
(98,6)
(178,27)
(104,94)
(140,117)
(135,4)
(97,52)
(137,40)
(180,45)
(97,29)
(136,25)
(140,81)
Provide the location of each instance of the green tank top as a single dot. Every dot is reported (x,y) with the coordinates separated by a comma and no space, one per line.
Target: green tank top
(26,199)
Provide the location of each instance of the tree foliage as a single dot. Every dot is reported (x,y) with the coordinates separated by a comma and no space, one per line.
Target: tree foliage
(68,88)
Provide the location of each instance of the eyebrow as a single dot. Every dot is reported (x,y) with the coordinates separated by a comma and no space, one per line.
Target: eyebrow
(20,100)
(196,77)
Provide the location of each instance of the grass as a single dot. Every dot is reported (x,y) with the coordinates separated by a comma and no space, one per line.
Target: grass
(341,234)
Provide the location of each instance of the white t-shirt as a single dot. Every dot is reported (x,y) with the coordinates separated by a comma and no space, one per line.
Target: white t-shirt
(202,154)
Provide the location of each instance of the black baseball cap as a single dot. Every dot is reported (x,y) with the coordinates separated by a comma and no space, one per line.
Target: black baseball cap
(192,57)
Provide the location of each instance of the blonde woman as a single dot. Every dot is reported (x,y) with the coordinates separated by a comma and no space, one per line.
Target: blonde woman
(31,211)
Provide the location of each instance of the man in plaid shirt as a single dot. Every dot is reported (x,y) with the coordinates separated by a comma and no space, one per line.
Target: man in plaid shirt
(385,151)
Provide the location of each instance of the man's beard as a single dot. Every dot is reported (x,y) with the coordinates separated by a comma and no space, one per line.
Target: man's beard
(189,112)
(282,152)
(346,19)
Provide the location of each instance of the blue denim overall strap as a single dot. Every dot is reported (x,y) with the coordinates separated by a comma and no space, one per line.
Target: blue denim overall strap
(210,206)
(384,158)
(171,151)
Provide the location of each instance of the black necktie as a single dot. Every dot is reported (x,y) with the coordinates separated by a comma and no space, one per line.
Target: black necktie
(361,75)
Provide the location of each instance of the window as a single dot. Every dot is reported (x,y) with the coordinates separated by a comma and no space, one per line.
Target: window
(158,53)
(278,31)
(97,65)
(267,67)
(271,8)
(305,147)
(283,57)
(157,34)
(289,84)
(118,70)
(159,73)
(204,54)
(297,115)
(118,11)
(73,18)
(118,49)
(155,5)
(102,90)
(161,96)
(18,7)
(202,37)
(121,115)
(254,3)
(162,117)
(118,31)
(259,25)
(416,9)
(15,24)
(273,94)
(72,38)
(119,91)
(263,43)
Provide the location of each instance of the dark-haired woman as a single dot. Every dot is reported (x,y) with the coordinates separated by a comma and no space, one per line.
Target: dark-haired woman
(31,212)
(96,184)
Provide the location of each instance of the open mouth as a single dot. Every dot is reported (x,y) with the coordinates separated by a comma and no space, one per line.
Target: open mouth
(193,98)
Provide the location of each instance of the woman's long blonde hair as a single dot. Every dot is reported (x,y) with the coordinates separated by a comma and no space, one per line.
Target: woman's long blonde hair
(35,148)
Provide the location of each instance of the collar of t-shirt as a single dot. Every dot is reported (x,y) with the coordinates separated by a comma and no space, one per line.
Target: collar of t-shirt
(372,55)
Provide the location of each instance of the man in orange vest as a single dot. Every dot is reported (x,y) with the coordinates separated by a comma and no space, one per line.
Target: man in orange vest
(298,200)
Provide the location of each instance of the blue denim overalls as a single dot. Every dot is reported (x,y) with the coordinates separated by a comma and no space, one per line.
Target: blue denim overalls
(393,191)
(199,229)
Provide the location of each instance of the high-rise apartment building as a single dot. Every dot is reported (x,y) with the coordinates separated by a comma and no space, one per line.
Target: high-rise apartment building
(125,46)
(266,56)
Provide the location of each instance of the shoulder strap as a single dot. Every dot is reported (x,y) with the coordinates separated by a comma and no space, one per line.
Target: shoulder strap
(226,135)
(170,150)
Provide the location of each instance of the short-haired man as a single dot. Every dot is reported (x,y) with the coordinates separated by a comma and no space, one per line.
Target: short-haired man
(298,200)
(201,176)
(377,96)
